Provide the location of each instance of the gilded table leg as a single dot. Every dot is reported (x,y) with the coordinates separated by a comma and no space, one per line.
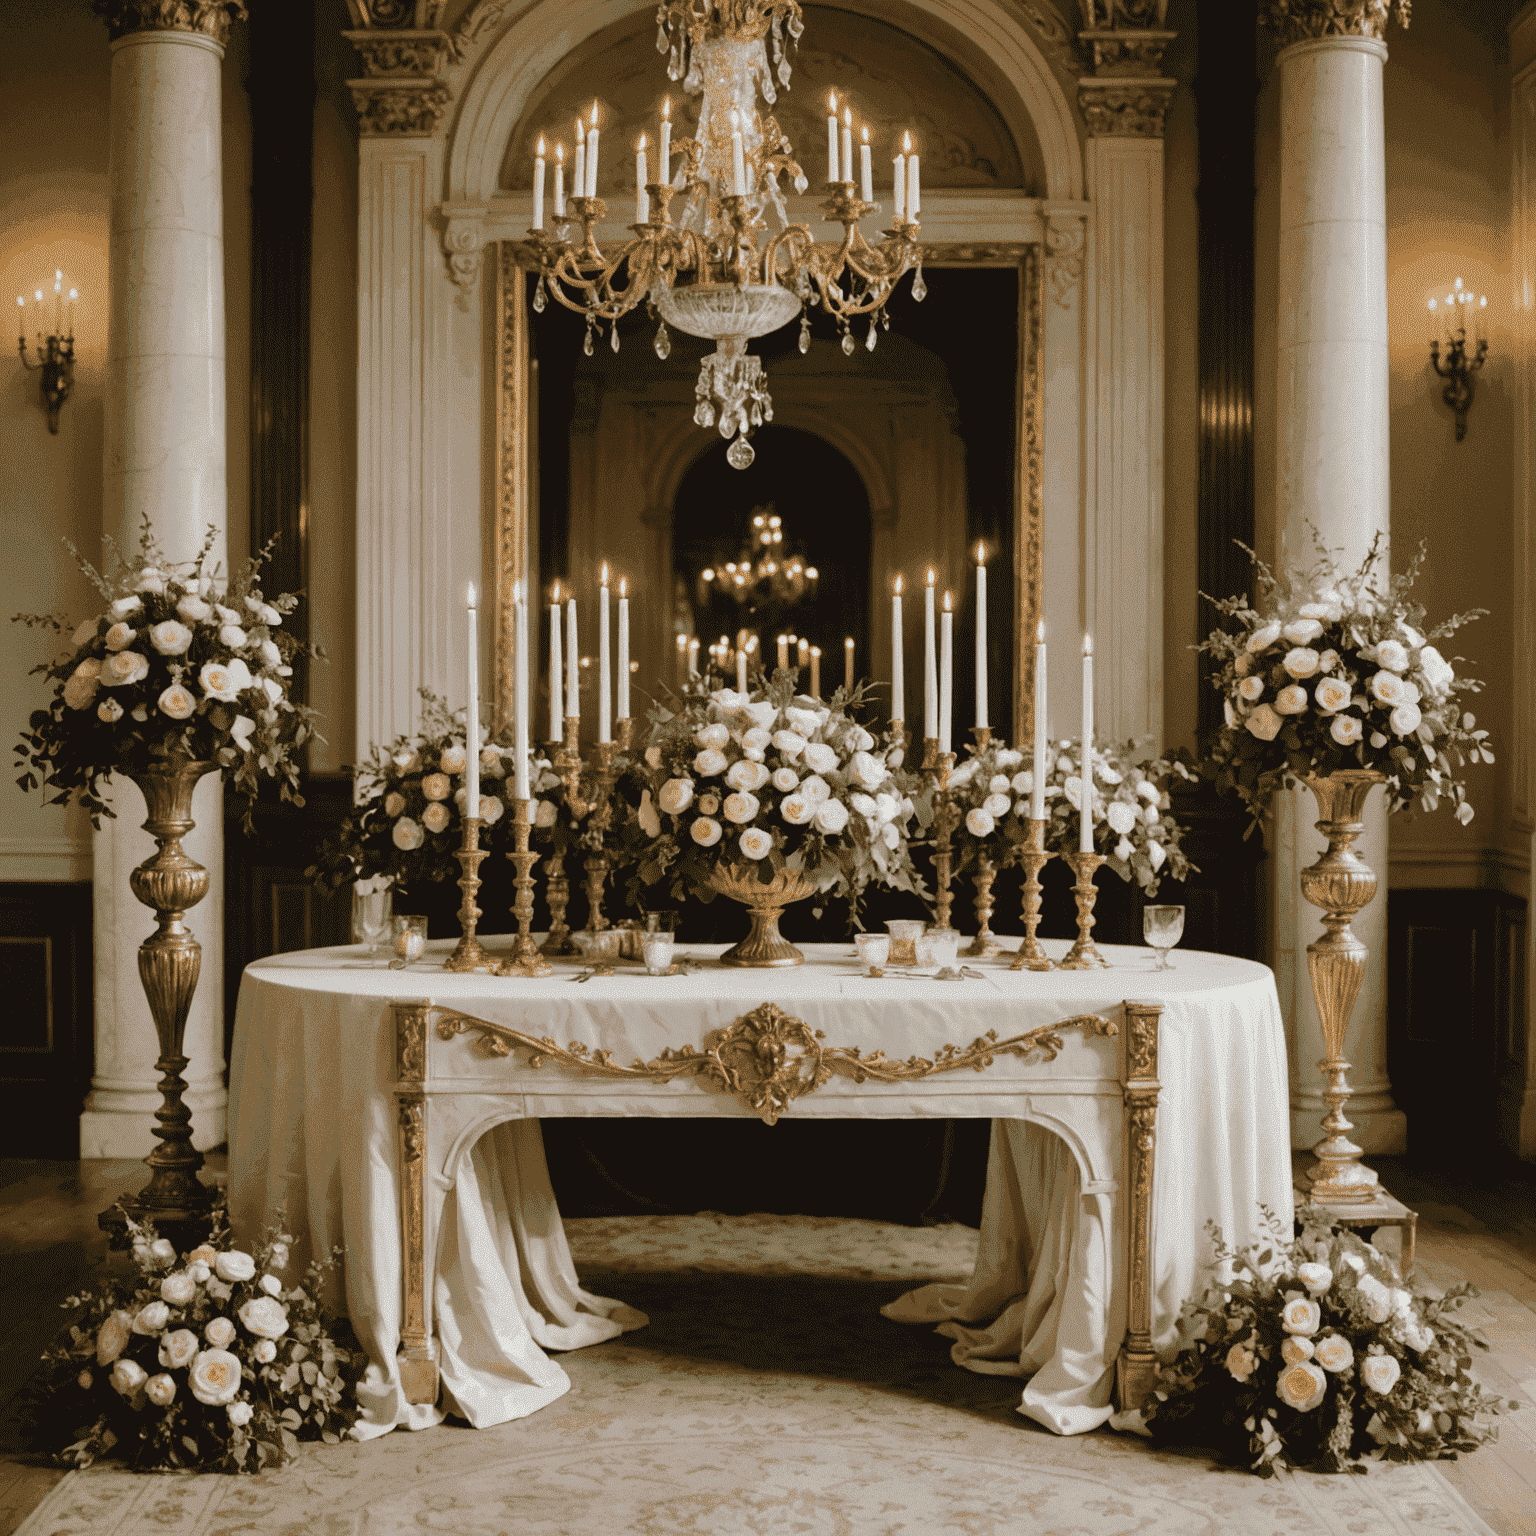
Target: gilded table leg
(418,1346)
(1137,1367)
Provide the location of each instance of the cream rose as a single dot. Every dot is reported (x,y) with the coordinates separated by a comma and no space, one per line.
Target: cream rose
(797,810)
(980,822)
(223,681)
(1121,817)
(1303,631)
(1380,1373)
(1437,672)
(1302,1386)
(1375,1298)
(128,1377)
(755,843)
(867,771)
(706,831)
(492,810)
(394,803)
(1301,1315)
(709,763)
(709,805)
(265,1352)
(1301,662)
(1330,695)
(741,807)
(831,817)
(84,633)
(233,636)
(1335,1353)
(1251,688)
(890,835)
(1405,719)
(152,1318)
(1387,688)
(82,684)
(219,1331)
(162,1252)
(1291,700)
(820,758)
(124,669)
(407,835)
(436,786)
(239,1414)
(264,1316)
(241,732)
(204,1253)
(178,1289)
(234,1266)
(545,814)
(435,817)
(758,739)
(1264,723)
(746,776)
(112,1339)
(1316,1277)
(815,789)
(790,744)
(1262,639)
(1392,655)
(178,1348)
(1294,1349)
(120,637)
(126,605)
(160,1390)
(176,702)
(785,779)
(214,1377)
(713,737)
(110,711)
(998,805)
(646,815)
(1241,1362)
(193,609)
(170,638)
(1346,730)
(1327,661)
(676,796)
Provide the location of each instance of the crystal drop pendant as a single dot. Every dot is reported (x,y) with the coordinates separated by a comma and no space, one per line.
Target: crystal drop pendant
(847,343)
(805,334)
(869,341)
(661,40)
(538,299)
(663,342)
(740,454)
(613,335)
(586,345)
(919,287)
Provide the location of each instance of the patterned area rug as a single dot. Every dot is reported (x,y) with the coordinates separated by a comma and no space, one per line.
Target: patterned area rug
(768,1396)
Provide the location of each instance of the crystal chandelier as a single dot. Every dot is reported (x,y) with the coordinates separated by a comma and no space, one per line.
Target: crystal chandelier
(764,575)
(716,271)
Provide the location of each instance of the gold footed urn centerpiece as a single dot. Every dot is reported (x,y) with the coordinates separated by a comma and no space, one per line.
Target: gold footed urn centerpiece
(171,882)
(1342,884)
(764,945)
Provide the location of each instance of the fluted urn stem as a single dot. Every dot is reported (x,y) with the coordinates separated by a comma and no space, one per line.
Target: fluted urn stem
(1341,883)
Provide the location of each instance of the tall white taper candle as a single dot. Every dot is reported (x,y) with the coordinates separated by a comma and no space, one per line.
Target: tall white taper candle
(623,709)
(1037,793)
(604,675)
(472,711)
(815,671)
(898,659)
(831,136)
(664,171)
(579,182)
(738,159)
(642,197)
(946,678)
(538,187)
(1085,752)
(592,154)
(930,665)
(981,634)
(556,682)
(572,664)
(866,175)
(559,181)
(520,682)
(848,145)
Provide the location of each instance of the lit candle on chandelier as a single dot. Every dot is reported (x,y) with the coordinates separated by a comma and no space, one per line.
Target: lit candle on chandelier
(831,136)
(848,145)
(1085,754)
(604,665)
(803,646)
(981,634)
(1037,791)
(472,710)
(930,666)
(623,710)
(538,186)
(664,174)
(579,184)
(592,154)
(898,660)
(559,181)
(914,188)
(556,701)
(899,166)
(815,671)
(738,158)
(783,650)
(866,175)
(946,677)
(642,197)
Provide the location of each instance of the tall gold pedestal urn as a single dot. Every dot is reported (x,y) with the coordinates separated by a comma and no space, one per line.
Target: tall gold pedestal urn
(1341,883)
(171,882)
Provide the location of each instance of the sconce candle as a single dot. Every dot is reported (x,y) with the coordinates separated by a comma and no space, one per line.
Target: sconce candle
(592,154)
(783,650)
(866,176)
(559,181)
(579,185)
(898,666)
(1460,362)
(664,173)
(741,669)
(831,136)
(55,352)
(642,197)
(693,658)
(848,145)
(572,665)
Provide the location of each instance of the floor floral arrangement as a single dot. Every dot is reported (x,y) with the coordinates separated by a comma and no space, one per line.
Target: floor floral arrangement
(1311,1353)
(206,1361)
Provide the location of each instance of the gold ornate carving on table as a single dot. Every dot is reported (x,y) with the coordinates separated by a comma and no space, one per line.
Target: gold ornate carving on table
(767,1058)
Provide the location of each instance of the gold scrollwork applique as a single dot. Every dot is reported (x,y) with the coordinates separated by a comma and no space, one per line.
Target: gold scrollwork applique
(767,1058)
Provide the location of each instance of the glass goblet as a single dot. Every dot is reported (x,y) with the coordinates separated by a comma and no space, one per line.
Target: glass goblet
(371,913)
(1162,928)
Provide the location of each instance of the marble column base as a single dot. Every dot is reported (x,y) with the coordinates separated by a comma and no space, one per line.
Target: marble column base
(1379,1132)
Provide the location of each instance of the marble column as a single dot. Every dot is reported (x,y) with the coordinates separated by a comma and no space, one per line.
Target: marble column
(1332,473)
(164,462)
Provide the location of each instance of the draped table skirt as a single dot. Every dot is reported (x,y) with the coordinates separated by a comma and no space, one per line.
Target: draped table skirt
(315,1128)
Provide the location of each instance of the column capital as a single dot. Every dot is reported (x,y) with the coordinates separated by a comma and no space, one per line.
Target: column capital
(403,91)
(1301,21)
(1120,106)
(399,105)
(207,18)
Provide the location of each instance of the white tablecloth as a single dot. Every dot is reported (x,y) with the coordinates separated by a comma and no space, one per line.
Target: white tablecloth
(312,1127)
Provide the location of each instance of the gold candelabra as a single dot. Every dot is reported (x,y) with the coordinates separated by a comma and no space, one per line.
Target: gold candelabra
(566,760)
(525,959)
(600,817)
(1084,954)
(984,943)
(1033,856)
(470,954)
(946,817)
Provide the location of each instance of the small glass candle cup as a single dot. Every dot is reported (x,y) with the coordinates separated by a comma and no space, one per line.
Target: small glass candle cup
(904,933)
(371,913)
(602,947)
(874,952)
(938,947)
(409,939)
(1162,928)
(657,949)
(661,922)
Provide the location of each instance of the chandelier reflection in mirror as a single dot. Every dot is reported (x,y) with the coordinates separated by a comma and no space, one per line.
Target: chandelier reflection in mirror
(716,271)
(764,574)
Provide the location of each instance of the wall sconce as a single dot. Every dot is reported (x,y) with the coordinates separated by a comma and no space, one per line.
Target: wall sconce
(56,351)
(1448,325)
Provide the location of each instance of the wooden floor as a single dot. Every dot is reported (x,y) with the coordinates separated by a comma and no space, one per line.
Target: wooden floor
(1480,1229)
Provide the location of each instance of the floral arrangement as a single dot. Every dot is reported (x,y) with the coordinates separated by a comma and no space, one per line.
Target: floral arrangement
(771,780)
(1335,669)
(176,665)
(208,1360)
(1311,1353)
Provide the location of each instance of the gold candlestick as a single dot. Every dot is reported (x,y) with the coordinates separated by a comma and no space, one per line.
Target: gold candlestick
(567,763)
(628,728)
(557,888)
(946,817)
(983,735)
(525,959)
(601,815)
(470,954)
(986,872)
(1084,955)
(897,736)
(1034,857)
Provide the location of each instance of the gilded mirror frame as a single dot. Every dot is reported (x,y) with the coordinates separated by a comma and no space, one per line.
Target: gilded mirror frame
(514,483)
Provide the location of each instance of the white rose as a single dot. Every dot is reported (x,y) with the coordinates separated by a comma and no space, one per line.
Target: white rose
(113,1338)
(124,669)
(219,1331)
(1264,723)
(741,807)
(239,1414)
(1303,631)
(219,1290)
(1294,1349)
(1386,688)
(1327,661)
(816,789)
(1405,719)
(831,817)
(407,835)
(160,1390)
(858,740)
(1291,700)
(125,605)
(1330,695)
(1375,1298)
(453,760)
(1240,665)
(755,843)
(890,834)
(1316,1277)
(1302,662)
(785,779)
(653,758)
(1241,1361)
(233,636)
(867,771)
(676,796)
(128,1376)
(178,1289)
(650,822)
(1392,655)
(435,817)
(264,1316)
(1335,1353)
(152,1318)
(436,786)
(394,803)
(198,1270)
(492,810)
(110,711)
(802,720)
(214,1377)
(790,744)
(820,758)
(1325,610)
(150,580)
(241,731)
(220,681)
(757,739)
(1438,673)
(1346,730)
(1125,848)
(979,822)
(1301,1386)
(1418,1336)
(706,831)
(1380,1373)
(1023,783)
(1251,688)
(176,702)
(193,609)
(170,638)
(84,633)
(866,807)
(762,713)
(81,686)
(797,810)
(265,1352)
(178,1348)
(545,814)
(709,762)
(1262,639)
(746,776)
(1301,1315)
(999,805)
(709,805)
(712,737)
(1120,816)
(120,637)
(998,784)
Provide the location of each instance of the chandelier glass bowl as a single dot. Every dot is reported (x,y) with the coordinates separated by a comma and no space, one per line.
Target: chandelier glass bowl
(716,270)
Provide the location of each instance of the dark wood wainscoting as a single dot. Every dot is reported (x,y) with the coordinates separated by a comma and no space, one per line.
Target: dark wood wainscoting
(46,1042)
(1456,1011)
